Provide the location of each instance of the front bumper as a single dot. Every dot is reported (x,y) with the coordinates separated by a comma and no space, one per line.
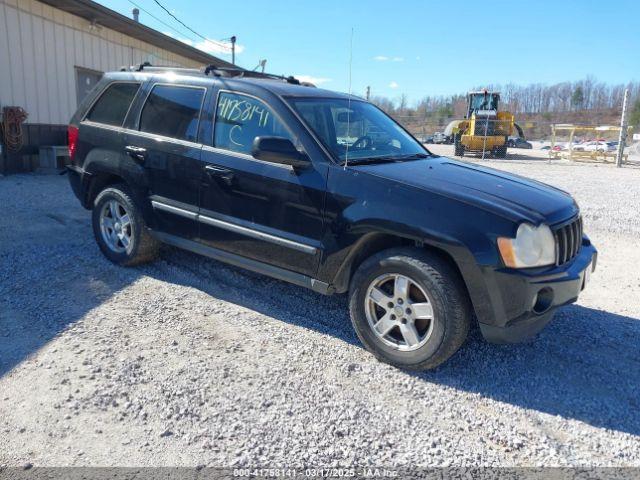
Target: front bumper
(523,301)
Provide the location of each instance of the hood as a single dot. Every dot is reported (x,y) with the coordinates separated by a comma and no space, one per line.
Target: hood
(509,195)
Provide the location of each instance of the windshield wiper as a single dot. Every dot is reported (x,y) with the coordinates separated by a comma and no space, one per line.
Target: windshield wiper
(386,159)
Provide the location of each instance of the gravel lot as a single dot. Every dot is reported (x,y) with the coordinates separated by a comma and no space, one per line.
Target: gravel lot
(190,362)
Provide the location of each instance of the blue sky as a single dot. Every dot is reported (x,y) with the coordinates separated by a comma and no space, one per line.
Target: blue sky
(417,48)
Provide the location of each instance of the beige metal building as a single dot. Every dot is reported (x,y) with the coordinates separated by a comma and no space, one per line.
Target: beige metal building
(52,52)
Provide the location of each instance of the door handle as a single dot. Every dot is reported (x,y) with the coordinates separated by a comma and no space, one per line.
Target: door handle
(216,171)
(137,153)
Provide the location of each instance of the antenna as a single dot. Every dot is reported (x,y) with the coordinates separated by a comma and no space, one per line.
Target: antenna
(346,155)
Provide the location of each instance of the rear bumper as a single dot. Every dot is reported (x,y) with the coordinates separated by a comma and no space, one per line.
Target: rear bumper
(78,179)
(479,143)
(524,302)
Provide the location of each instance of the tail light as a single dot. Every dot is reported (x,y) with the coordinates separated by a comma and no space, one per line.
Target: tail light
(72,140)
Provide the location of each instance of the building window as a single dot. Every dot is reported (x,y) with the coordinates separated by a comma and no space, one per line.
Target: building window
(86,80)
(173,111)
(113,104)
(240,119)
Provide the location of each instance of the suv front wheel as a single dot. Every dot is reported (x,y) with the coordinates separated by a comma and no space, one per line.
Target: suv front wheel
(409,308)
(120,229)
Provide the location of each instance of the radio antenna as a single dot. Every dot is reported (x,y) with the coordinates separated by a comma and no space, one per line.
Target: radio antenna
(346,155)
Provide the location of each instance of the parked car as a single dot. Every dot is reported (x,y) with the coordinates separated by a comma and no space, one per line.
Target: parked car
(595,146)
(283,179)
(440,137)
(517,142)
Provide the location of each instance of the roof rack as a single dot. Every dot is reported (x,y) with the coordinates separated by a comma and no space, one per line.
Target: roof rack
(227,72)
(147,67)
(242,73)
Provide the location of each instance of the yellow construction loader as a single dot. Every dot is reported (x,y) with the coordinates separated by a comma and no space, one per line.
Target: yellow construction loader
(484,128)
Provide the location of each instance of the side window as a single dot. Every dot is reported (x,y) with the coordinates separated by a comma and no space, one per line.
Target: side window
(172,111)
(240,119)
(113,104)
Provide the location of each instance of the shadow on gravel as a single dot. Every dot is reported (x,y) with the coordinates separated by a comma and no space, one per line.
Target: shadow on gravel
(585,365)
(64,297)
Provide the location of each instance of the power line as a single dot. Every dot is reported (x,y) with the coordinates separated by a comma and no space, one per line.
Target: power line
(188,27)
(158,20)
(222,45)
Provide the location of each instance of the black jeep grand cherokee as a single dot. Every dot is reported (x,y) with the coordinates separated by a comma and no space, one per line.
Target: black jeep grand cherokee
(325,191)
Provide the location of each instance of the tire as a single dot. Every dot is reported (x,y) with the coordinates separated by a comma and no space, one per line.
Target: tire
(140,246)
(434,282)
(458,148)
(501,152)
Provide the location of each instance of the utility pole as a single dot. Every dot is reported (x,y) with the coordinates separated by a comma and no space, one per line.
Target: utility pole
(368,93)
(622,139)
(233,50)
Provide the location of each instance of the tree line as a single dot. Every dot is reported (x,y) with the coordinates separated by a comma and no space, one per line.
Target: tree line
(539,100)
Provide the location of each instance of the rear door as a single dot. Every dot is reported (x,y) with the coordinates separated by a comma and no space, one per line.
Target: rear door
(164,141)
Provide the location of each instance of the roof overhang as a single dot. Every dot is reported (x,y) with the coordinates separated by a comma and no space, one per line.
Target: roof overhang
(94,12)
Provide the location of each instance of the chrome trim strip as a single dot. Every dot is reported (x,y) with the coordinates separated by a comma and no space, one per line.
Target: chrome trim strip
(175,210)
(249,232)
(152,136)
(161,138)
(244,156)
(114,128)
(254,265)
(232,227)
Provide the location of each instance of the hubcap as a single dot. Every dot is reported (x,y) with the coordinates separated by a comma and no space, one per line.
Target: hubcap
(115,226)
(399,312)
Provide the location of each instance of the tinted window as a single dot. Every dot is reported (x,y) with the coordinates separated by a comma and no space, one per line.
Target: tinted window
(114,103)
(240,119)
(172,111)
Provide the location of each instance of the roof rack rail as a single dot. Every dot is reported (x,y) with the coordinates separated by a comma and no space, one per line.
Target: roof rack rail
(147,67)
(242,73)
(228,72)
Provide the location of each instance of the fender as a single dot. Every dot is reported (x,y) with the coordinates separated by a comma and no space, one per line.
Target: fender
(104,167)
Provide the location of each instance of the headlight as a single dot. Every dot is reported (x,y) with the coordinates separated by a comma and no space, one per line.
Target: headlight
(532,247)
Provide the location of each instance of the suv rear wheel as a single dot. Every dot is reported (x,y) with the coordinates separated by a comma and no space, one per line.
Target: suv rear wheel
(120,229)
(409,308)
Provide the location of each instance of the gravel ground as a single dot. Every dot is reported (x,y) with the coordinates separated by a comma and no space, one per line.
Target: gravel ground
(190,362)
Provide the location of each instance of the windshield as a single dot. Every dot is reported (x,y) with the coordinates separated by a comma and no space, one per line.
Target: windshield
(356,129)
(481,101)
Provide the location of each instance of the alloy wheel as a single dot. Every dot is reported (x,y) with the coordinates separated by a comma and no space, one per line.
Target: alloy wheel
(116,227)
(399,311)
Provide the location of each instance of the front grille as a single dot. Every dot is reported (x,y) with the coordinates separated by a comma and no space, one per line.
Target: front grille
(484,124)
(568,241)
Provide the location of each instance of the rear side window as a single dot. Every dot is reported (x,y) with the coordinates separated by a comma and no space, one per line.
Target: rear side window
(173,111)
(113,104)
(240,119)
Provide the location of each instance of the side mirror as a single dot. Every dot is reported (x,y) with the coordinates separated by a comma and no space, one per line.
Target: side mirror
(278,150)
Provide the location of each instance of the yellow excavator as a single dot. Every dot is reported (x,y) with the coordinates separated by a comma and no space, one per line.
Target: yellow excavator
(484,128)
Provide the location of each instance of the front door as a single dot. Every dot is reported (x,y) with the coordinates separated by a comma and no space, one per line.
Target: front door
(166,145)
(265,211)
